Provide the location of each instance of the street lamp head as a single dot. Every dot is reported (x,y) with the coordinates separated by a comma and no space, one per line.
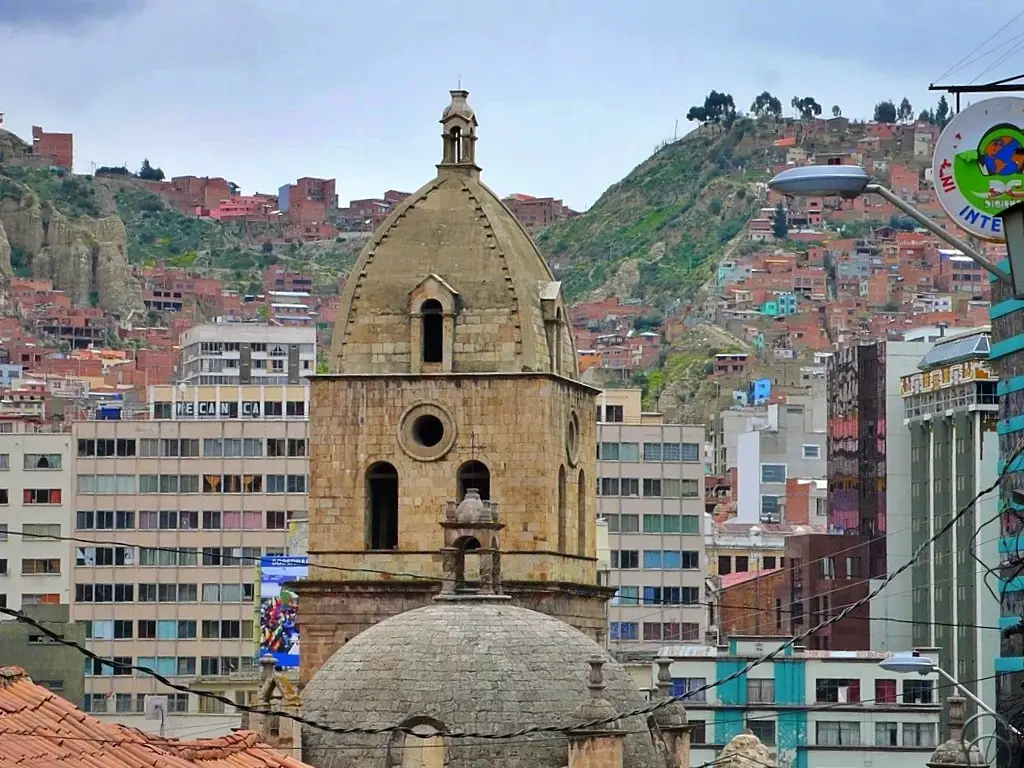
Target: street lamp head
(847,181)
(1013,228)
(908,662)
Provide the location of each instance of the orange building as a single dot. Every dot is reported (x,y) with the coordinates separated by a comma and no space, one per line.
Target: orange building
(59,147)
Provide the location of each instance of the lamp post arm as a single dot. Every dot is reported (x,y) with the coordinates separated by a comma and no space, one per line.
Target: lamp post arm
(938,231)
(978,702)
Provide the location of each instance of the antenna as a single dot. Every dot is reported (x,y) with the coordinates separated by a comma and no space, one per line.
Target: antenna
(458,81)
(156,709)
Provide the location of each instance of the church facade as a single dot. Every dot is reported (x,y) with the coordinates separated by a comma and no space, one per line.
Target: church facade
(453,368)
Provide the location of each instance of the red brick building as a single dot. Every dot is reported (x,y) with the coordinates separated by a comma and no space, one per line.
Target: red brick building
(187,193)
(537,212)
(59,147)
(308,201)
(746,603)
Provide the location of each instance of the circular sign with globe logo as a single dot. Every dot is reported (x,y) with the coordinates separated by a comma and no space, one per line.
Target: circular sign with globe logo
(978,168)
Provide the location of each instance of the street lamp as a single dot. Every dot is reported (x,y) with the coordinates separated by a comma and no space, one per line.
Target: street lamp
(909,662)
(850,181)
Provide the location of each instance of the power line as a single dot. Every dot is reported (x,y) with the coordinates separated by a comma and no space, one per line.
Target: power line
(641,601)
(535,729)
(987,40)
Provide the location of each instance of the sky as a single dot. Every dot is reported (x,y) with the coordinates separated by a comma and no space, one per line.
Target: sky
(571,94)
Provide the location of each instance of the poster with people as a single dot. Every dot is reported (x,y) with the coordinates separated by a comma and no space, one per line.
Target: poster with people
(279,614)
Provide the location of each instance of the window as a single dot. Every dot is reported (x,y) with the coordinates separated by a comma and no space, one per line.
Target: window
(764,730)
(227,593)
(106,448)
(686,524)
(885,692)
(919,734)
(773,473)
(42,496)
(49,531)
(812,452)
(627,596)
(917,691)
(769,562)
(382,506)
(209,706)
(623,630)
(761,691)
(612,414)
(668,595)
(698,732)
(724,565)
(295,408)
(887,734)
(837,690)
(771,509)
(276,520)
(5,461)
(432,320)
(608,451)
(39,566)
(623,523)
(827,568)
(742,564)
(43,461)
(625,558)
(690,688)
(835,733)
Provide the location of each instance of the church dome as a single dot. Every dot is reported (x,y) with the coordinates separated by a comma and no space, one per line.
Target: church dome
(466,665)
(453,250)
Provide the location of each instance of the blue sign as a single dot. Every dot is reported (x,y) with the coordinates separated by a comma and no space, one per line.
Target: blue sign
(279,608)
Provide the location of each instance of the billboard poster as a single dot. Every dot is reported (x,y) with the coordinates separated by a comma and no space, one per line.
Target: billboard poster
(978,168)
(279,619)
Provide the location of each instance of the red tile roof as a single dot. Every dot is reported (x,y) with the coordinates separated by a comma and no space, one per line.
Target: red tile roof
(42,730)
(732,579)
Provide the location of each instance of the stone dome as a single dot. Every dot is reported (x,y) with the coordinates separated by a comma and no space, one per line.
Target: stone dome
(455,243)
(466,665)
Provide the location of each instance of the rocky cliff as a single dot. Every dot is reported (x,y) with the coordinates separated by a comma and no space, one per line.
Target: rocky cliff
(86,257)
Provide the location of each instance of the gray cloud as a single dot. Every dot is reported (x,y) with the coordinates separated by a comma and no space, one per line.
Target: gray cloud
(58,15)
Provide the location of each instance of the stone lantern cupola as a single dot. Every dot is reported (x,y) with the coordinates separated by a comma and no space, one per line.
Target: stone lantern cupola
(955,752)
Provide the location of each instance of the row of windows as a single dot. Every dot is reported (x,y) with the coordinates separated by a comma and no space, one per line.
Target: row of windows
(667,630)
(657,596)
(742,563)
(186,448)
(835,733)
(685,524)
(87,557)
(656,559)
(169,629)
(209,409)
(685,452)
(126,484)
(665,488)
(169,520)
(34,496)
(162,593)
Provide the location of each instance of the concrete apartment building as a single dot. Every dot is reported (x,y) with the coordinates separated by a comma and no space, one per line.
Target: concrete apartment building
(950,408)
(35,511)
(769,446)
(812,708)
(247,353)
(651,495)
(181,505)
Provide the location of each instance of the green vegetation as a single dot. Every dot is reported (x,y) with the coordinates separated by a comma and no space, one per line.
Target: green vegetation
(72,195)
(670,220)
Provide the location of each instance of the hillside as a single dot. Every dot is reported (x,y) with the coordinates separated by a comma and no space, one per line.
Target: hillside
(658,233)
(84,233)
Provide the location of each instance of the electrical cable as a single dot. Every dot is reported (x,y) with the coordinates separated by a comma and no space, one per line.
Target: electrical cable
(987,40)
(535,729)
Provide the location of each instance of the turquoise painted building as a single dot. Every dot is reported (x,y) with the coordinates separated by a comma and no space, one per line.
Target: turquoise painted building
(783,305)
(807,706)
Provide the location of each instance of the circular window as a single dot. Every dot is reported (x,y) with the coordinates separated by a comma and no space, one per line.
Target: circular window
(426,431)
(572,439)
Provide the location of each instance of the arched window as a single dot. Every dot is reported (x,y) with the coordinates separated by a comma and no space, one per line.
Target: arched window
(474,474)
(382,506)
(582,524)
(433,331)
(423,748)
(456,143)
(558,341)
(561,509)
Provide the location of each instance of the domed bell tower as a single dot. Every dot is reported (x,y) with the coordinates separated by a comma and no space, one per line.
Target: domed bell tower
(453,370)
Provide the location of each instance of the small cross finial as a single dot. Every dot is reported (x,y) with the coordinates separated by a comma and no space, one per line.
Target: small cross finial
(458,81)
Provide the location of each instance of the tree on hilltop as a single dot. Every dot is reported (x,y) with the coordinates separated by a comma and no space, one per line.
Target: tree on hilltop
(906,112)
(717,108)
(766,105)
(806,107)
(927,115)
(885,112)
(836,111)
(941,114)
(780,223)
(149,173)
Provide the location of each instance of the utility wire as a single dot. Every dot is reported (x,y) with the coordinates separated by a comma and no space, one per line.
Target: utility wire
(536,729)
(987,40)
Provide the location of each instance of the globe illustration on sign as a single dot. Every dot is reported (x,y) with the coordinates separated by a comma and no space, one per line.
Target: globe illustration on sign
(1001,152)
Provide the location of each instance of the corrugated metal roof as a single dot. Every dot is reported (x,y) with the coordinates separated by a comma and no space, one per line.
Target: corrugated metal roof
(962,348)
(41,729)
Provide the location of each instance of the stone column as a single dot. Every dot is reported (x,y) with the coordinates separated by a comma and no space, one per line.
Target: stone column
(599,746)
